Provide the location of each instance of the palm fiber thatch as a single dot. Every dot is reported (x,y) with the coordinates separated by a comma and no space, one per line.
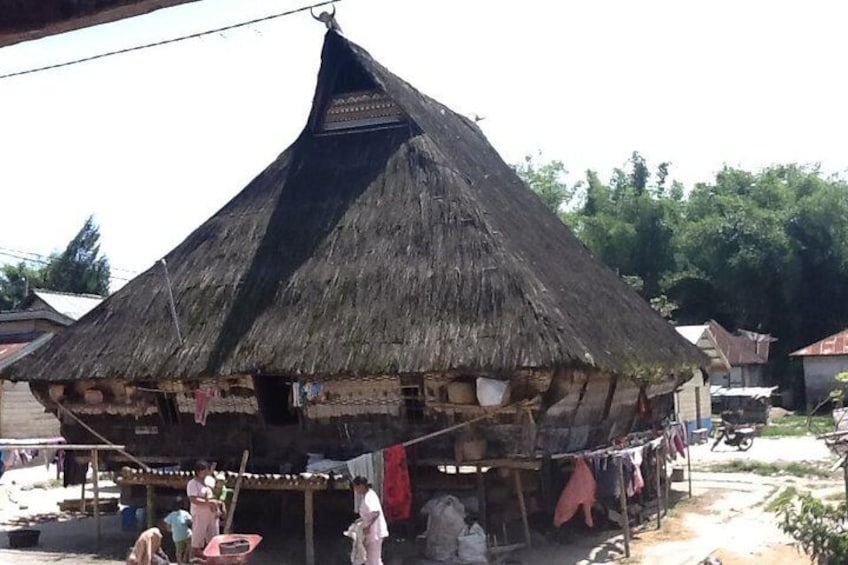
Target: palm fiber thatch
(411,249)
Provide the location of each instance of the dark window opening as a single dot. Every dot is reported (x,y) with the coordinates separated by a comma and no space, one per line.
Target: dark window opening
(272,395)
(412,391)
(168,410)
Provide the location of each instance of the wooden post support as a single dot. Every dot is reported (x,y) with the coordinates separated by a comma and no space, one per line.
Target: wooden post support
(845,475)
(625,516)
(151,506)
(95,464)
(481,497)
(659,456)
(308,522)
(231,511)
(519,489)
(689,466)
(82,496)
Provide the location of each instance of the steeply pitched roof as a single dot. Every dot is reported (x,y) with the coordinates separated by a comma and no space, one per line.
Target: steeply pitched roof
(409,247)
(73,306)
(701,337)
(737,349)
(836,344)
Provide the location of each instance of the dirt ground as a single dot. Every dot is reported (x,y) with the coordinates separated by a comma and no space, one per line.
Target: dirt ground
(725,518)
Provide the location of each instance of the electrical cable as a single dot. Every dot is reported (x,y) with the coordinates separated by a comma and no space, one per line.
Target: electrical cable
(167,41)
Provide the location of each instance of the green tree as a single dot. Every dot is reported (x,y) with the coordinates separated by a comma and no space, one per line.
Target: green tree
(547,180)
(80,268)
(15,281)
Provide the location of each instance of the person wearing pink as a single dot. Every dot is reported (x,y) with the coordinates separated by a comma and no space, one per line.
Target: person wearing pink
(204,509)
(374,521)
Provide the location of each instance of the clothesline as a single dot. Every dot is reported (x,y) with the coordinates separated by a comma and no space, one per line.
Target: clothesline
(613,451)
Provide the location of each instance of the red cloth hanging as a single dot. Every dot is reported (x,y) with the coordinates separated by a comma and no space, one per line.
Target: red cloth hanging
(397,493)
(580,491)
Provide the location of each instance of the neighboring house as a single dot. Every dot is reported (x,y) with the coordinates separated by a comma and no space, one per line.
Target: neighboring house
(747,353)
(40,316)
(823,360)
(692,402)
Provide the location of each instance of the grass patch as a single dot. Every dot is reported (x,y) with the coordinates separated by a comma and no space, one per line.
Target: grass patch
(796,426)
(770,469)
(835,497)
(779,502)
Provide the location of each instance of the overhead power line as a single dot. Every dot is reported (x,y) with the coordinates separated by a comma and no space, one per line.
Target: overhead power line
(42,257)
(47,262)
(168,41)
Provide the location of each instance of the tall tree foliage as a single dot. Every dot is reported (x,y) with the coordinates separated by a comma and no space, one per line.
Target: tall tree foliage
(765,250)
(80,268)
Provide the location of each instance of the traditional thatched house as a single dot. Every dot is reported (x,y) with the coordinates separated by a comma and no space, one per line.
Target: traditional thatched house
(388,253)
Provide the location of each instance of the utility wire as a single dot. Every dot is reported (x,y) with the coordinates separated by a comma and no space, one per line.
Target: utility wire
(168,41)
(39,256)
(45,262)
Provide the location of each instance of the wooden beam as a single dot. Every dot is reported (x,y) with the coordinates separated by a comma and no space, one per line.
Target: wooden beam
(519,489)
(95,465)
(481,496)
(625,516)
(309,526)
(151,506)
(228,528)
(658,465)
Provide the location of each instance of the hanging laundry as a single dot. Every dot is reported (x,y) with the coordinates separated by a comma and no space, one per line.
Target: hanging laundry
(297,399)
(201,405)
(643,404)
(361,466)
(73,473)
(379,471)
(580,491)
(606,477)
(635,456)
(397,492)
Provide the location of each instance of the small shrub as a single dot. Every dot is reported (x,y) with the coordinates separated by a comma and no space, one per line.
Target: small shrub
(820,529)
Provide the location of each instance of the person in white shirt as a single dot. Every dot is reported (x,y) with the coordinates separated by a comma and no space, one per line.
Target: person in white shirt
(373,520)
(204,510)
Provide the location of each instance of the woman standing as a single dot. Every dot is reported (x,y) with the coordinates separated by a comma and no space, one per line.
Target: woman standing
(373,521)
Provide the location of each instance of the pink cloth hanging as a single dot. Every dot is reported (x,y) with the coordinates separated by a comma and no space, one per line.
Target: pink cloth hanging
(201,406)
(580,491)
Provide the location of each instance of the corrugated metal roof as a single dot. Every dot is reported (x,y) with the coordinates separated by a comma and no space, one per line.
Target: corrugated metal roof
(739,350)
(9,349)
(750,391)
(74,306)
(836,344)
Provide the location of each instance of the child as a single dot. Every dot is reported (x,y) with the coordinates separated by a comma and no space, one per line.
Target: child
(178,523)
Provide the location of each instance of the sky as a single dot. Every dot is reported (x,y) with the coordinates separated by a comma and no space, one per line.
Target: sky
(154,142)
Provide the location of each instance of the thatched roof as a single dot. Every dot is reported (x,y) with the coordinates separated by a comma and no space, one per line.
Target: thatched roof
(412,248)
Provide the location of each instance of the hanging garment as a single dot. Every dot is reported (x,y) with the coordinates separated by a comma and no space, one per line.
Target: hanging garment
(379,470)
(297,400)
(361,466)
(606,477)
(357,538)
(201,406)
(580,491)
(635,457)
(397,492)
(643,405)
(73,473)
(679,440)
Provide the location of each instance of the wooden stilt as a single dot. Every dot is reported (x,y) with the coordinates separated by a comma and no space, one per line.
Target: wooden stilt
(309,526)
(845,475)
(689,467)
(625,516)
(151,506)
(82,495)
(519,489)
(95,464)
(481,496)
(658,470)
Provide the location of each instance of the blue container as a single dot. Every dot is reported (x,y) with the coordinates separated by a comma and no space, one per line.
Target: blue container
(128,519)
